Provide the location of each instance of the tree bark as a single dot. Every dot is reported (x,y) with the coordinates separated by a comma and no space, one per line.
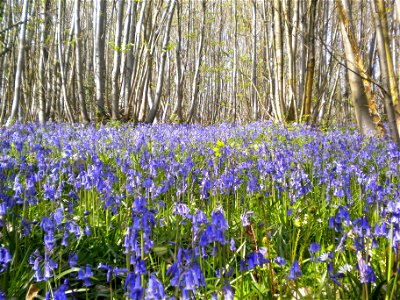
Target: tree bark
(307,102)
(367,115)
(156,103)
(78,65)
(20,65)
(99,60)
(196,78)
(117,60)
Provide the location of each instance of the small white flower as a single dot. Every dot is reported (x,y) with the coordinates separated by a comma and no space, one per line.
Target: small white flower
(323,257)
(345,268)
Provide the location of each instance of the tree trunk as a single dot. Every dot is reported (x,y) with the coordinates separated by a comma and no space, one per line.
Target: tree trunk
(156,103)
(78,65)
(177,111)
(254,63)
(367,116)
(196,78)
(20,64)
(44,32)
(394,92)
(310,63)
(99,60)
(279,103)
(117,60)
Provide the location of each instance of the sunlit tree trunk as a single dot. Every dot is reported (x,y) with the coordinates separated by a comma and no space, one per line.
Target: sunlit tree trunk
(196,78)
(310,63)
(156,103)
(254,63)
(99,60)
(367,116)
(279,101)
(117,60)
(20,64)
(394,92)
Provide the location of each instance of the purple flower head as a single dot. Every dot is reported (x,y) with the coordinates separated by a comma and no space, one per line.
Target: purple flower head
(181,209)
(314,247)
(72,259)
(232,245)
(85,275)
(5,258)
(245,218)
(367,273)
(295,271)
(107,268)
(228,293)
(280,261)
(218,219)
(58,216)
(49,266)
(59,294)
(155,289)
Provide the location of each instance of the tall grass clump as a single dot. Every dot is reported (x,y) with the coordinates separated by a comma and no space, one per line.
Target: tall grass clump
(188,212)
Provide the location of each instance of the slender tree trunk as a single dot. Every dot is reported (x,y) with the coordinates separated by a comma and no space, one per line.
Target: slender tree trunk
(383,63)
(279,103)
(20,64)
(177,111)
(44,32)
(117,60)
(62,66)
(367,116)
(78,65)
(254,63)
(394,92)
(99,59)
(156,103)
(310,63)
(196,78)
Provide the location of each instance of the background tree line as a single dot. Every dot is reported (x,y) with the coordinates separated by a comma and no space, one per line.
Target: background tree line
(201,61)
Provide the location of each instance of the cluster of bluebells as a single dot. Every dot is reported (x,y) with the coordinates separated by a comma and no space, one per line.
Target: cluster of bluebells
(64,184)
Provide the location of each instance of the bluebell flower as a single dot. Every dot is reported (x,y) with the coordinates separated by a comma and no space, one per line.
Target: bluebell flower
(232,245)
(35,259)
(2,295)
(245,218)
(295,271)
(72,259)
(119,271)
(59,294)
(85,274)
(107,268)
(218,219)
(228,293)
(314,247)
(5,258)
(280,261)
(49,266)
(133,286)
(367,274)
(155,289)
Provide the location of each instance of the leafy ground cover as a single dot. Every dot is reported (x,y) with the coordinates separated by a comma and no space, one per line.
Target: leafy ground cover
(186,212)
